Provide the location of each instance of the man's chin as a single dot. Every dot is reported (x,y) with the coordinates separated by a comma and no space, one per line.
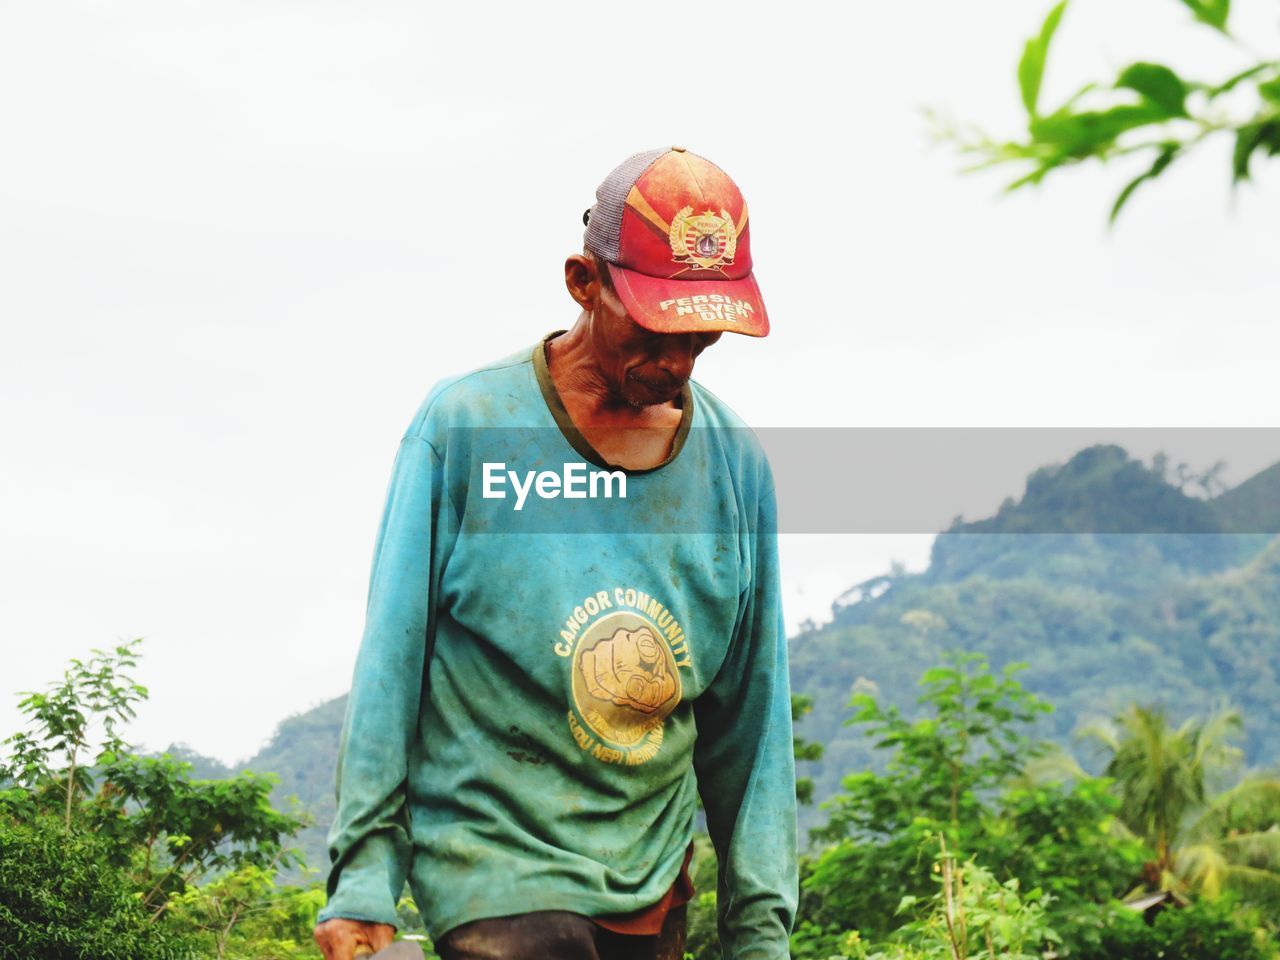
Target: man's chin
(642,394)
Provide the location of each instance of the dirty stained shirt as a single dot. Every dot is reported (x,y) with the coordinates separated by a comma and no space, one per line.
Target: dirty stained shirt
(540,694)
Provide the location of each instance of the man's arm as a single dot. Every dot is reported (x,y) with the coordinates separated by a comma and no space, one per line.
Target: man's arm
(745,761)
(369,841)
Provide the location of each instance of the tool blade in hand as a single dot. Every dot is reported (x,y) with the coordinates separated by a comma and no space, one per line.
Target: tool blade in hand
(400,950)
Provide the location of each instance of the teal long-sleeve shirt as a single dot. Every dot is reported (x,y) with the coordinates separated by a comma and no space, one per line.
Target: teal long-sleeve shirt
(541,692)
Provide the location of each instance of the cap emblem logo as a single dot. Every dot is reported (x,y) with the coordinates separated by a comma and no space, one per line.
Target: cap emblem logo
(703,240)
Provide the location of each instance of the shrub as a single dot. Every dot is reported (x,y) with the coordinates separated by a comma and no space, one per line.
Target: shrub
(61,900)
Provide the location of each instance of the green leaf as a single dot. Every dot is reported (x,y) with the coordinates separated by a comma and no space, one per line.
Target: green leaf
(1157,84)
(1270,90)
(1165,157)
(1228,85)
(1249,138)
(1034,55)
(1091,133)
(1212,12)
(938,675)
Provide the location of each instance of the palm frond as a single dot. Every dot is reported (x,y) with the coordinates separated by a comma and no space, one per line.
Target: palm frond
(1101,730)
(1252,804)
(1261,887)
(1056,765)
(1204,867)
(1259,849)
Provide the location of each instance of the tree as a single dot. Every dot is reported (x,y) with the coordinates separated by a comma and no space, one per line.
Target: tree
(1205,929)
(974,916)
(957,775)
(1148,109)
(970,917)
(244,913)
(134,835)
(63,724)
(1160,772)
(944,763)
(61,899)
(173,831)
(1203,843)
(1045,848)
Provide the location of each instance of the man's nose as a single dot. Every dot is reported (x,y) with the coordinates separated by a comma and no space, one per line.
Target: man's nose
(678,354)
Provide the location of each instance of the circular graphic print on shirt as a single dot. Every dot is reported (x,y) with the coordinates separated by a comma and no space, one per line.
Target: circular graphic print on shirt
(625,681)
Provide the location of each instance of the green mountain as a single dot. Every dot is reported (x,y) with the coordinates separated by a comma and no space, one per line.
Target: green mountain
(1113,585)
(1112,582)
(1252,506)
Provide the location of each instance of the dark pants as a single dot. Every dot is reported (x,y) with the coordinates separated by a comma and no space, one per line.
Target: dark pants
(559,935)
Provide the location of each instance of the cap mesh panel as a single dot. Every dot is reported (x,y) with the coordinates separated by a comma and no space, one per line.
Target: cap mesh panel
(604,226)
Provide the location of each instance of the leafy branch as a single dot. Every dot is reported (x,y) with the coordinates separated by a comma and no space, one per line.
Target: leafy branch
(1149,109)
(62,723)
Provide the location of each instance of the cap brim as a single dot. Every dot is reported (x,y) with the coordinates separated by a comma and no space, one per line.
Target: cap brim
(692,306)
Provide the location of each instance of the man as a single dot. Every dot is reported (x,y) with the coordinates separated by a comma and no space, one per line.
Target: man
(546,681)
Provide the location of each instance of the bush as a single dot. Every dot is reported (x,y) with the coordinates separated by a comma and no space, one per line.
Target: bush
(61,900)
(1203,931)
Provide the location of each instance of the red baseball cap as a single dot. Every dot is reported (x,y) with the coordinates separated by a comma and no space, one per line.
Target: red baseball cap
(673,228)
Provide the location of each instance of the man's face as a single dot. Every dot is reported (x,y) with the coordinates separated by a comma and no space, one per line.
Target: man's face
(643,367)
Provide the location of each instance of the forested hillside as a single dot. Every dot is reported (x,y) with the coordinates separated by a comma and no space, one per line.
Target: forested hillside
(1107,576)
(1111,581)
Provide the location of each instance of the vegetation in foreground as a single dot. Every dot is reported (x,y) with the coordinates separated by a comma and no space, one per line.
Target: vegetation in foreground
(108,854)
(976,841)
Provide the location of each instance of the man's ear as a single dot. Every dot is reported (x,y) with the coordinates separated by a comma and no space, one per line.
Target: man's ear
(582,280)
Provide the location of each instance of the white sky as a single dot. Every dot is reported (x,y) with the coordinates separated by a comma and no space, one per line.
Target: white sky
(240,240)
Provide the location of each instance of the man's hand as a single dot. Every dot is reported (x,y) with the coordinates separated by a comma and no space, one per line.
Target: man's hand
(338,938)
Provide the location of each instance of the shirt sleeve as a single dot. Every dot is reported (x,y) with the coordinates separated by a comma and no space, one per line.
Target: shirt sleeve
(369,842)
(745,763)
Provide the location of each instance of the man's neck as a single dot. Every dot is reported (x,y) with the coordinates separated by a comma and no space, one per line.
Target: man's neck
(633,437)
